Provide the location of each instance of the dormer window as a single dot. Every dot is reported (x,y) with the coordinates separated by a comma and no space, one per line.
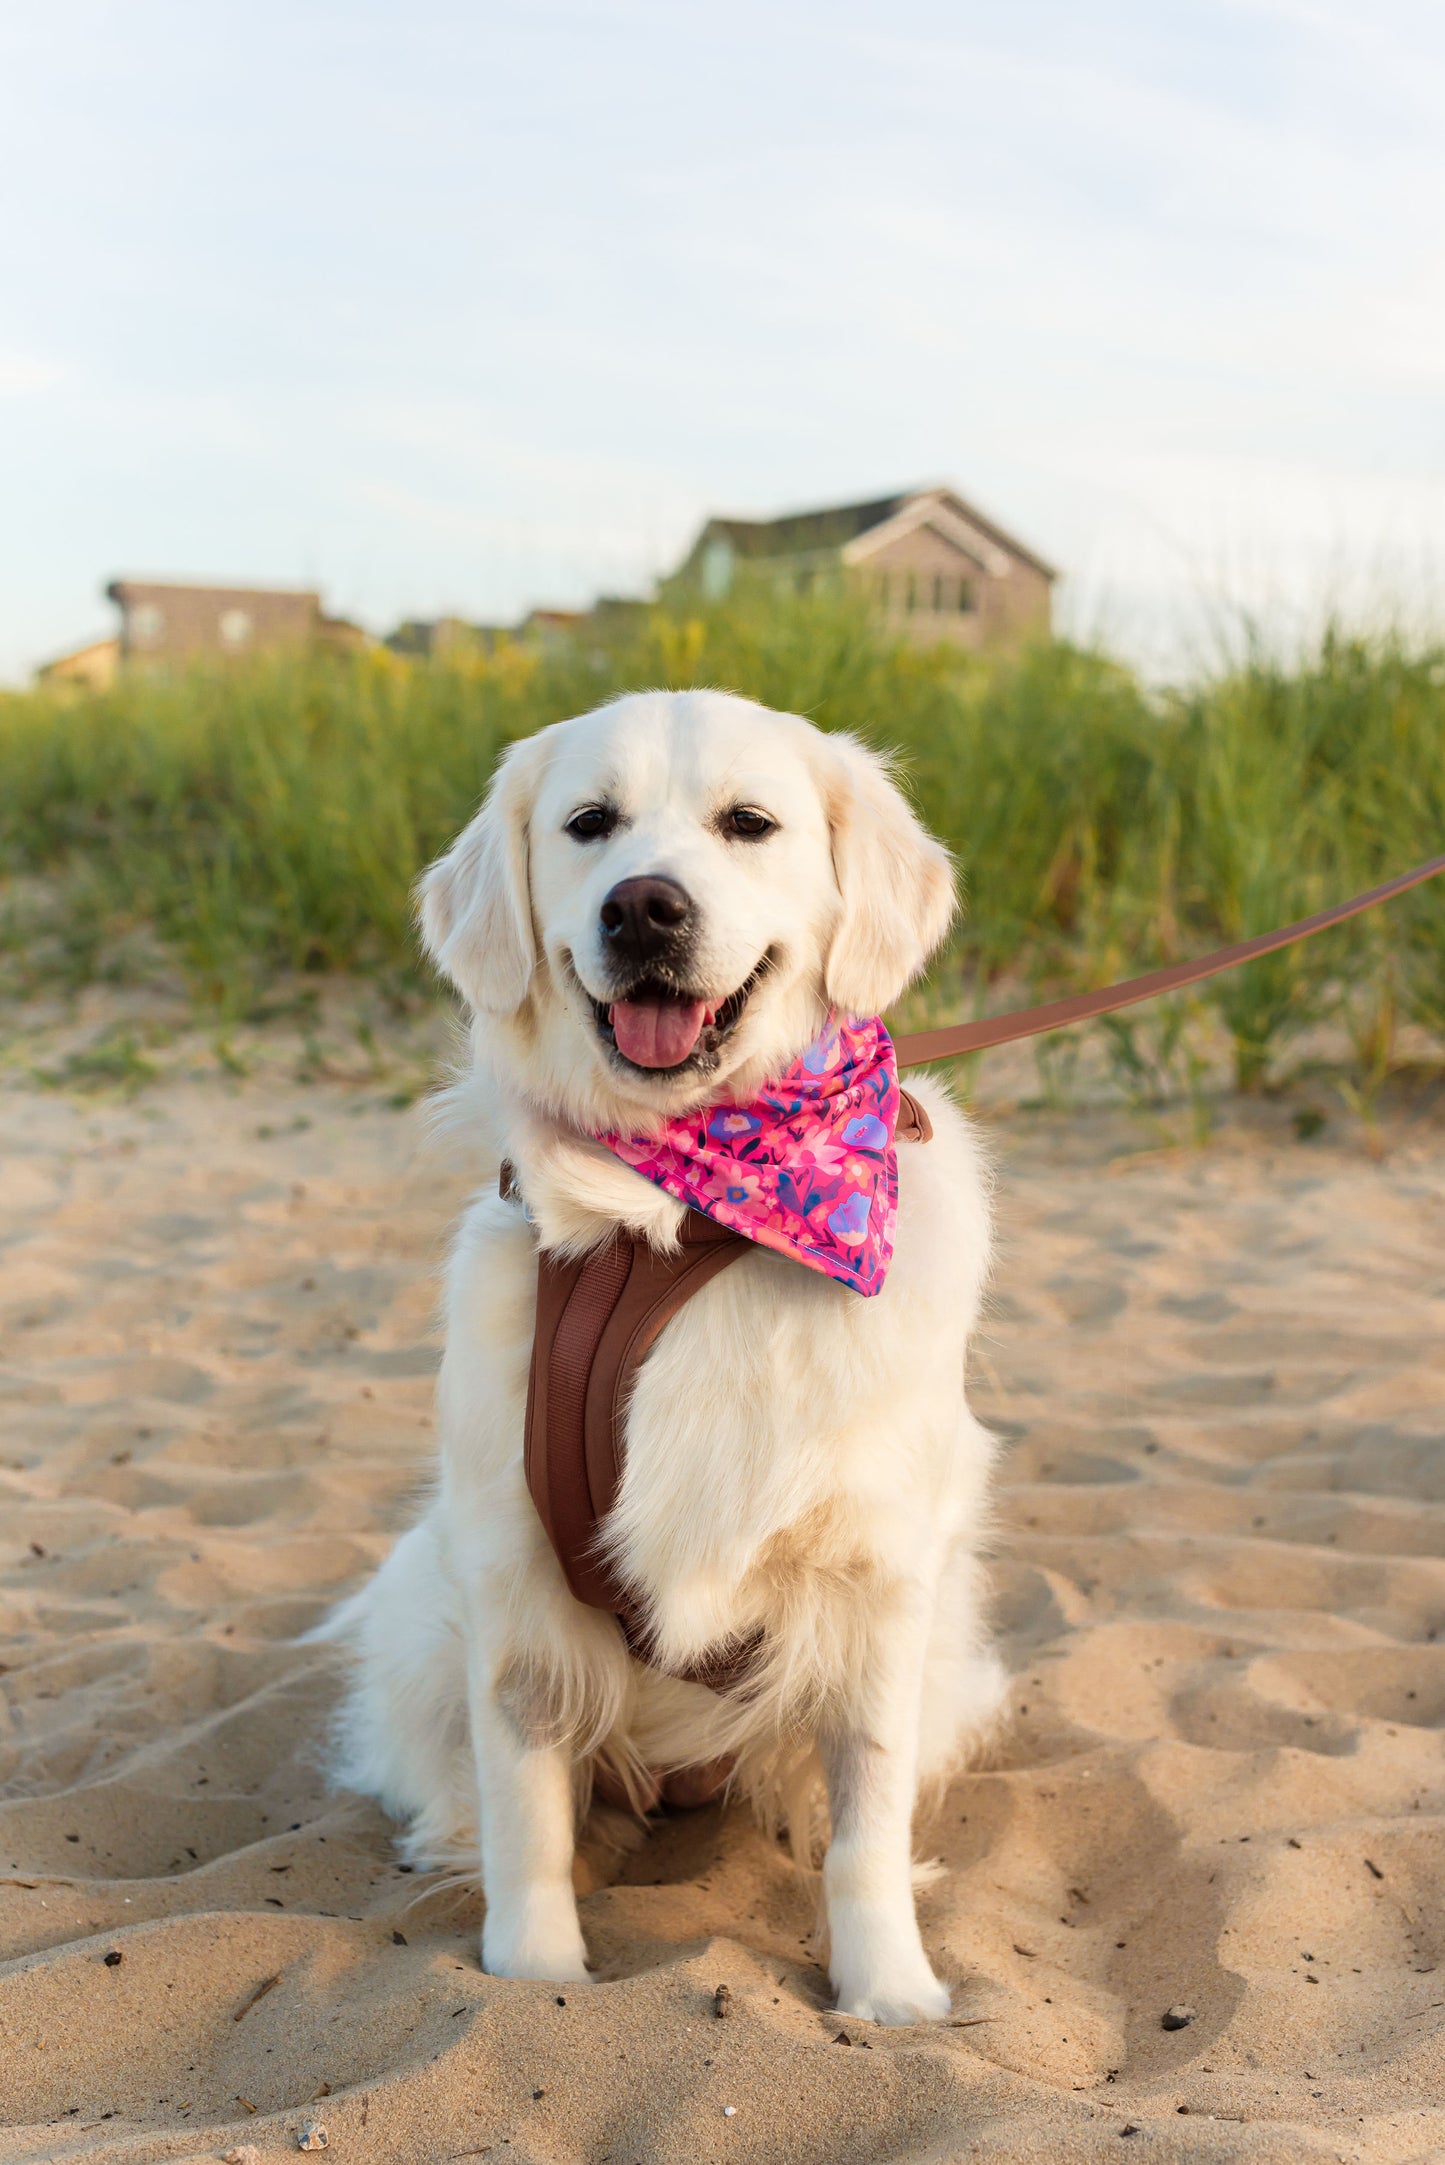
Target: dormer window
(717,568)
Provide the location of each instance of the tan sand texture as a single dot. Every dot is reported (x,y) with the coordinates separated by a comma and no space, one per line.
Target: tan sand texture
(1221,1588)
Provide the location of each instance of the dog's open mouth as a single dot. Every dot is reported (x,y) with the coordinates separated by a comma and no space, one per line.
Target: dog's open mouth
(660,1029)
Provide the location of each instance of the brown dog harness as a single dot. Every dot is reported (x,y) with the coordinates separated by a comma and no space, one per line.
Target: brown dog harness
(598,1317)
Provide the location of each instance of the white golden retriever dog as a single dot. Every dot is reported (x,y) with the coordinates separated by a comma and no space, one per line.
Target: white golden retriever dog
(799,1461)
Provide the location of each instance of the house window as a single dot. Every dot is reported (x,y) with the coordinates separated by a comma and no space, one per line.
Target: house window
(883,589)
(937,593)
(235,628)
(146,624)
(717,568)
(910,592)
(966,599)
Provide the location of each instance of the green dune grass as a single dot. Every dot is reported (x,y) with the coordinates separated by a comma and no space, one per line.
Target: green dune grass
(263,822)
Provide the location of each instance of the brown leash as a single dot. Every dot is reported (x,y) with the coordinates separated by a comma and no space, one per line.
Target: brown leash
(921,1046)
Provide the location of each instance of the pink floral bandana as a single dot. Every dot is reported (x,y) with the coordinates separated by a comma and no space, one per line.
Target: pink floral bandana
(808,1168)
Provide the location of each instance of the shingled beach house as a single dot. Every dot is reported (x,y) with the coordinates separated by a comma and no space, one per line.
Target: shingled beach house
(933,565)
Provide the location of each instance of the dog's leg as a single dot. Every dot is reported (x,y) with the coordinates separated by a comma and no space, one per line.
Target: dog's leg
(524,1789)
(870,1756)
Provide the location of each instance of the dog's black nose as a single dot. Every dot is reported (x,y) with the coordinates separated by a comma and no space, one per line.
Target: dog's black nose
(643,918)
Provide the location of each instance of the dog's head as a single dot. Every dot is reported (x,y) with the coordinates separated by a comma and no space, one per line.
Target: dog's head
(659,902)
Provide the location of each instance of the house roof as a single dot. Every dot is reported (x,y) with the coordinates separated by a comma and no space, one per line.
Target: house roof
(125,590)
(854,528)
(798,531)
(108,645)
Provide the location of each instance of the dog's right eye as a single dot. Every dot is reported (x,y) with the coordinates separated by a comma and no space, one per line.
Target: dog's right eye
(592,823)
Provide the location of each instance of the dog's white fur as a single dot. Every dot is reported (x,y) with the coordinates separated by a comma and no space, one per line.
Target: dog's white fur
(798,1458)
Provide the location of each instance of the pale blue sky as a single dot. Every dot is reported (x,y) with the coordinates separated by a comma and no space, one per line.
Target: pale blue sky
(462,307)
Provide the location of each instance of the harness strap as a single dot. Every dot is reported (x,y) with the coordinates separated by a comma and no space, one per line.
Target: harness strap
(598,1317)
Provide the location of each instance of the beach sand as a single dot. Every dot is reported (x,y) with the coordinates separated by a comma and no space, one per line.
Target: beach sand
(1220,1586)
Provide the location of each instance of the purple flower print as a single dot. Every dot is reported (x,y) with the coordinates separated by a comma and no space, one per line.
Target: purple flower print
(850,1220)
(822,1054)
(729,1124)
(867,1132)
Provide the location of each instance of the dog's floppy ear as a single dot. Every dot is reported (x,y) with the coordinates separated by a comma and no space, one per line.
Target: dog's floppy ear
(895,880)
(475,904)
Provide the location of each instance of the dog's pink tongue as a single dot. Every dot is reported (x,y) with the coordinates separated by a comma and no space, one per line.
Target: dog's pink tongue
(657,1033)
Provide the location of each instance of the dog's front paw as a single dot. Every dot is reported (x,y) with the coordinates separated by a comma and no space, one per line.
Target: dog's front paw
(894,1995)
(879,1969)
(539,1940)
(578,1194)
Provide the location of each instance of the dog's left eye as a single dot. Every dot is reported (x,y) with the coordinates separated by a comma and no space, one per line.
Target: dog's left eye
(593,823)
(746,820)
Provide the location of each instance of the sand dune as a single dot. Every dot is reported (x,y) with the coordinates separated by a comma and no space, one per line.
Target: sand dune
(1220,1581)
